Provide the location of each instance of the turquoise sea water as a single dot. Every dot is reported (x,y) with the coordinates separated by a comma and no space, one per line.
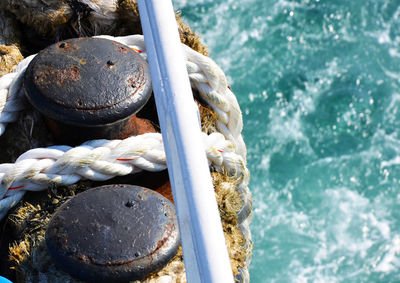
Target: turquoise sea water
(319,85)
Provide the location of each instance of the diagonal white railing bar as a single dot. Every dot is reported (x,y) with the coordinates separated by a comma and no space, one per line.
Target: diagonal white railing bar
(204,250)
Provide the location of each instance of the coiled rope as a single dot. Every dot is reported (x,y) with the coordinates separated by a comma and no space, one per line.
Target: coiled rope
(103,159)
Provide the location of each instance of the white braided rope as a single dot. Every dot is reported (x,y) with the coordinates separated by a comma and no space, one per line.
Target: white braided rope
(11,99)
(102,159)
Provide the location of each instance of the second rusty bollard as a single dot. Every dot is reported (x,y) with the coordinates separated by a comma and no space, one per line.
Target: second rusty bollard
(115,233)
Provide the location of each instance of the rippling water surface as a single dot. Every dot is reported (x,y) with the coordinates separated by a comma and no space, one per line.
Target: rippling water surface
(319,86)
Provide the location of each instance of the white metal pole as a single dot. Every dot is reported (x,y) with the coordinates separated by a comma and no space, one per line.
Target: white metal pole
(204,249)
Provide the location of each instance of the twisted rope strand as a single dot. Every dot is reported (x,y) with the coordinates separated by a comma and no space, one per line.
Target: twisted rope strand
(11,98)
(101,160)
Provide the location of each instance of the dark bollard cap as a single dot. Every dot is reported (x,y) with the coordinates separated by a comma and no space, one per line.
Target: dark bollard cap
(114,233)
(87,82)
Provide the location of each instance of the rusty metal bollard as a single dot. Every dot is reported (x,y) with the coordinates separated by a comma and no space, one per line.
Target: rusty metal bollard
(89,88)
(114,233)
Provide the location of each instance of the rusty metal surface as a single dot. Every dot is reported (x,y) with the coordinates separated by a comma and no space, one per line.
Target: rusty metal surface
(113,233)
(75,135)
(87,82)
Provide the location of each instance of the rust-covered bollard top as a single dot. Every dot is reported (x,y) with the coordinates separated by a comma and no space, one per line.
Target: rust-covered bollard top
(114,233)
(88,87)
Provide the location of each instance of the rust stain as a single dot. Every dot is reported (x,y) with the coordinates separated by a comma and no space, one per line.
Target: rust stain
(83,258)
(110,65)
(46,77)
(123,49)
(169,231)
(166,190)
(141,196)
(120,48)
(138,81)
(132,82)
(43,76)
(66,46)
(70,74)
(61,239)
(137,126)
